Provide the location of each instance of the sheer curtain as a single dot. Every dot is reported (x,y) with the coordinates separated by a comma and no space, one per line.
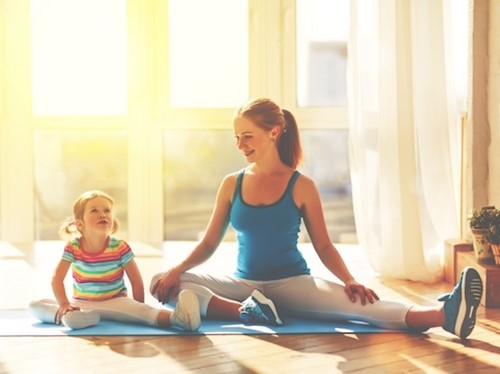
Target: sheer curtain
(405,104)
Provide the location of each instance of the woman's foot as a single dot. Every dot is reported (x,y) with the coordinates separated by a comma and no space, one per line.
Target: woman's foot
(258,309)
(186,314)
(460,306)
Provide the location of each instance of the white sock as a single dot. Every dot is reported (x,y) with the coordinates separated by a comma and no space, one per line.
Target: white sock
(79,319)
(44,310)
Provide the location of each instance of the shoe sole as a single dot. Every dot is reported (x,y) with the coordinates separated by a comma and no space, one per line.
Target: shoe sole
(471,291)
(189,302)
(257,295)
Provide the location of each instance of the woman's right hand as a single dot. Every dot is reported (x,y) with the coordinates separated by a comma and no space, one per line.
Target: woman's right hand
(63,309)
(165,286)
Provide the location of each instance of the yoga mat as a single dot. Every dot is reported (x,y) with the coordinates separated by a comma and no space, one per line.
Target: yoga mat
(20,323)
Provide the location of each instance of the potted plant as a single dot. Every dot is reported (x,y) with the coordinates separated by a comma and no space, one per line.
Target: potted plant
(493,235)
(479,224)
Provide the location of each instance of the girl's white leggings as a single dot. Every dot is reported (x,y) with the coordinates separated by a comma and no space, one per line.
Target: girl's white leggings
(122,309)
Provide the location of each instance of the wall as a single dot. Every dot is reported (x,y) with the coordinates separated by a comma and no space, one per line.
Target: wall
(483,128)
(494,103)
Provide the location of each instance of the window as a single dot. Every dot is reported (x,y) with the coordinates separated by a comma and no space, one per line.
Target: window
(191,178)
(322,27)
(79,57)
(67,163)
(208,56)
(79,69)
(136,97)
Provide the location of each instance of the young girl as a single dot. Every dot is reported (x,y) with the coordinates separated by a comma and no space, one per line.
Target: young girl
(98,263)
(265,203)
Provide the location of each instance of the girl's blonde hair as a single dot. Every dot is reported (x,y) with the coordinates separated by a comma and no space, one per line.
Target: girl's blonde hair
(267,114)
(69,227)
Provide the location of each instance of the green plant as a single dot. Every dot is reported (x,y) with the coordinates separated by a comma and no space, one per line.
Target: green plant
(482,218)
(493,233)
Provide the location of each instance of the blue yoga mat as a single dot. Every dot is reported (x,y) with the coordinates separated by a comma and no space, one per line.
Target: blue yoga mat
(20,323)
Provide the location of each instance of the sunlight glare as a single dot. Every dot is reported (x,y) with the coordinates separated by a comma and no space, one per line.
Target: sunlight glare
(208,53)
(79,57)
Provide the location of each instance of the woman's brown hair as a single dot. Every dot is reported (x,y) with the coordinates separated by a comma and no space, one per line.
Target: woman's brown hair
(267,114)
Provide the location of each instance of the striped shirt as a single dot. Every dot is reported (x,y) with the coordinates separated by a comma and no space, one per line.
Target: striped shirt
(98,276)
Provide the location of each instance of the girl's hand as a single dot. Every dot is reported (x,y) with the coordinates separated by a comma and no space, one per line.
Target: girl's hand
(166,285)
(63,309)
(353,288)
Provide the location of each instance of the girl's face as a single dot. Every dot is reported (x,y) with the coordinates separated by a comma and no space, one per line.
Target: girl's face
(98,216)
(253,141)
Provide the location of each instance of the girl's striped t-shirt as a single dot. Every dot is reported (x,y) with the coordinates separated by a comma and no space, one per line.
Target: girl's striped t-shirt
(98,276)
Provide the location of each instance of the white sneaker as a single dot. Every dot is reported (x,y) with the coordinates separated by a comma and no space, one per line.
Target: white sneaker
(78,319)
(186,314)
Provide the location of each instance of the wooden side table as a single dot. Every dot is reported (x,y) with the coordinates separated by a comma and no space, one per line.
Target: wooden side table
(459,255)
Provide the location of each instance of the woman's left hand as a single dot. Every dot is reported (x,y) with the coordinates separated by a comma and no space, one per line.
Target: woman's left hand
(353,288)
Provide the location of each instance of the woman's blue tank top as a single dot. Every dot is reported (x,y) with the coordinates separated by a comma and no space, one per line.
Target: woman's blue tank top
(267,236)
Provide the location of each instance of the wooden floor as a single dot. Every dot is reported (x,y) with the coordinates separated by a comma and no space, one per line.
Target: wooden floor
(25,274)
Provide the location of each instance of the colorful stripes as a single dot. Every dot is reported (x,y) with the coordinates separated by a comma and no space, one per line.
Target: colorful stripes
(98,276)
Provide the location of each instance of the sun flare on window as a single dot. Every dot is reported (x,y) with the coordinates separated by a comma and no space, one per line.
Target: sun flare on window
(208,55)
(79,57)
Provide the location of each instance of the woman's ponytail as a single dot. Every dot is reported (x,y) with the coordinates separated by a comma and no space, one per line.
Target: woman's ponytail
(267,115)
(289,147)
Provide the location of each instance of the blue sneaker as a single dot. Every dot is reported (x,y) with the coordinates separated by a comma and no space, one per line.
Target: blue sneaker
(258,309)
(460,306)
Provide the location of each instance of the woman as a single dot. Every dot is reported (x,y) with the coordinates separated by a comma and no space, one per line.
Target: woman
(265,203)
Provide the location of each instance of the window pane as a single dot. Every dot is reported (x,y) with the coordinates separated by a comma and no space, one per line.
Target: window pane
(79,57)
(326,161)
(192,179)
(208,53)
(322,27)
(69,163)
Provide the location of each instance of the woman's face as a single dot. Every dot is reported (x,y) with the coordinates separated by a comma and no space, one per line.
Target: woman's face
(253,141)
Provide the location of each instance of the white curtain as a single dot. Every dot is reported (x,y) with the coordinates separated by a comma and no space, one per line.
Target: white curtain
(405,102)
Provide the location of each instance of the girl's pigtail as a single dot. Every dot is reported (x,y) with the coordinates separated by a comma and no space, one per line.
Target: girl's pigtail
(68,229)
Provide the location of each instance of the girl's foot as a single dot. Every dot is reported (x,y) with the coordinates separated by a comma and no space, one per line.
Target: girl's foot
(79,319)
(45,310)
